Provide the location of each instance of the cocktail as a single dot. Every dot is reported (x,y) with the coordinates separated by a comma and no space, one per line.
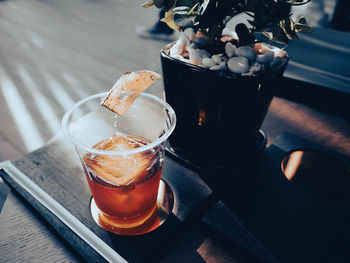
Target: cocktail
(122,158)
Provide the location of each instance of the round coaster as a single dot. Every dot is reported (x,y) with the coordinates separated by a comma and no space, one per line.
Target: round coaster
(165,204)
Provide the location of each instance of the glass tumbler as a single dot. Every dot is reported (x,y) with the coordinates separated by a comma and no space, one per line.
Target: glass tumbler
(122,158)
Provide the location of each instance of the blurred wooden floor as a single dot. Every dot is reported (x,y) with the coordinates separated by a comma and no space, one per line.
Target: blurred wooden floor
(54,53)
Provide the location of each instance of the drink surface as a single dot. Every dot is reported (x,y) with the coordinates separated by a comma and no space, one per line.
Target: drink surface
(124,187)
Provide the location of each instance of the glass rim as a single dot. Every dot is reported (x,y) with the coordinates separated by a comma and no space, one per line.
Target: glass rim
(169,109)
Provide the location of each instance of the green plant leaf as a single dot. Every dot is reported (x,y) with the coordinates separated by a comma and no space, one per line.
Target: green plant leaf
(302,20)
(204,6)
(194,9)
(250,4)
(185,20)
(188,3)
(148,4)
(159,3)
(168,4)
(252,22)
(269,17)
(269,35)
(295,2)
(249,14)
(181,10)
(279,35)
(289,28)
(303,28)
(215,31)
(169,20)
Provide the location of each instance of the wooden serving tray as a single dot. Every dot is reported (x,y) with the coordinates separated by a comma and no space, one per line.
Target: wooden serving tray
(51,181)
(294,223)
(55,168)
(255,208)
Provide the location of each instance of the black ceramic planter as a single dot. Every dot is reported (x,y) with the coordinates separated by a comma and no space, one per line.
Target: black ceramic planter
(218,114)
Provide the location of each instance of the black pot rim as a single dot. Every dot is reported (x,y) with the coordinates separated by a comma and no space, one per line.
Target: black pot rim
(198,68)
(220,73)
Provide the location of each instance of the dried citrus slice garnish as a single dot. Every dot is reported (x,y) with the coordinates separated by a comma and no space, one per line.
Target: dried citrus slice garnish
(127,88)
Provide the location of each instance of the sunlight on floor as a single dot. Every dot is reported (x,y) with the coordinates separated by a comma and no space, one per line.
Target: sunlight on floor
(43,106)
(58,92)
(30,134)
(74,83)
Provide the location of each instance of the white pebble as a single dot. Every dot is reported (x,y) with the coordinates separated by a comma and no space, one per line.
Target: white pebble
(178,57)
(230,49)
(193,46)
(226,31)
(265,58)
(220,67)
(189,32)
(238,65)
(247,52)
(203,53)
(195,57)
(256,68)
(179,47)
(217,59)
(208,62)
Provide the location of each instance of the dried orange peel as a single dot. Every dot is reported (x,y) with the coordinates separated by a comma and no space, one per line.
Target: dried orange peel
(127,88)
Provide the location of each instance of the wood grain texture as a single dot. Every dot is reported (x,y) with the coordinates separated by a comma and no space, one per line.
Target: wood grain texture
(25,238)
(225,222)
(8,151)
(56,169)
(54,53)
(321,128)
(294,222)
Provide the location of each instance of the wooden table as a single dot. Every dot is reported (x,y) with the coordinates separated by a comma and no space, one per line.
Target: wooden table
(28,238)
(54,53)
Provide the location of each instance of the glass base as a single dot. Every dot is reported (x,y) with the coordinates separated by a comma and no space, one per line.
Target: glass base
(165,204)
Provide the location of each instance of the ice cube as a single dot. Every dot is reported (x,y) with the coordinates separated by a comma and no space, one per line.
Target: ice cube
(119,169)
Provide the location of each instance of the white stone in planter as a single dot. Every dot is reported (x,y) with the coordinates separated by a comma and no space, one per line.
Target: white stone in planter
(217,59)
(208,62)
(265,58)
(228,32)
(220,67)
(230,49)
(189,32)
(203,53)
(256,67)
(238,65)
(247,52)
(178,57)
(197,55)
(179,47)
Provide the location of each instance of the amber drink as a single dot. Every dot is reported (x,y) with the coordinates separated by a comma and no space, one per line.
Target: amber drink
(122,159)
